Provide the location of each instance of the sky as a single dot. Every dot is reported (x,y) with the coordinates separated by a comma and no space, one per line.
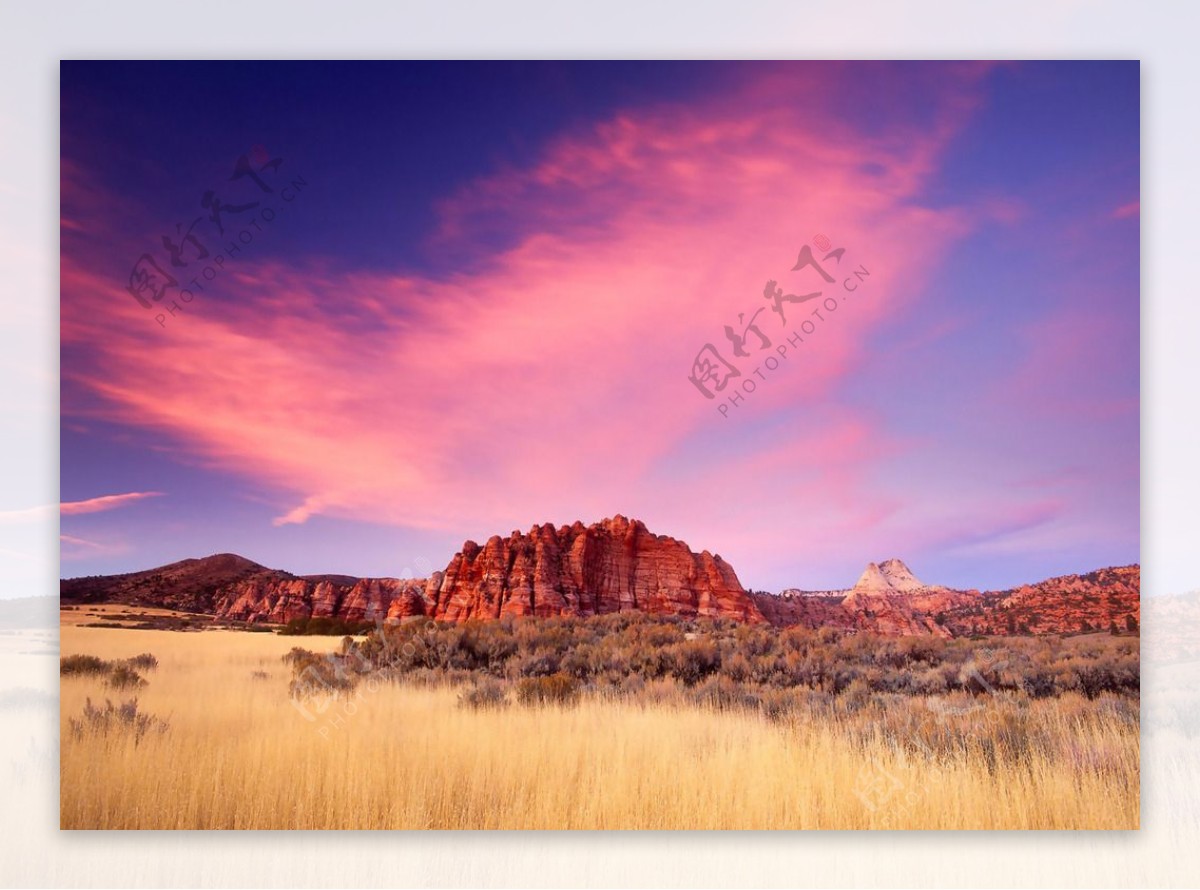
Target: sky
(429,302)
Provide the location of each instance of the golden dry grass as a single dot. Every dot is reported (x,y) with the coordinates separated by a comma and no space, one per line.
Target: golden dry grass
(238,754)
(111,612)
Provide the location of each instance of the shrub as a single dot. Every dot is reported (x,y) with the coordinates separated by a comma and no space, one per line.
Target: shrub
(124,677)
(541,664)
(314,674)
(82,664)
(296,655)
(857,694)
(737,667)
(723,694)
(143,662)
(324,627)
(557,689)
(486,693)
(621,654)
(930,682)
(116,718)
(694,660)
(777,704)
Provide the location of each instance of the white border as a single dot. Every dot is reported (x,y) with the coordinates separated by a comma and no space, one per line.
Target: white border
(34,37)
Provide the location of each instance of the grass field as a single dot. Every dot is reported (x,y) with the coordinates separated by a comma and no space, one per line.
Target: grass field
(237,753)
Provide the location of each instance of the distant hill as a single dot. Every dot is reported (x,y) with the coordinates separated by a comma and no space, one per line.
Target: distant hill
(189,585)
(343,580)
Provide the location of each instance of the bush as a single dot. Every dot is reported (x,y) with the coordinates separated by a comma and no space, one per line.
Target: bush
(628,654)
(297,655)
(486,693)
(116,718)
(694,660)
(723,694)
(294,628)
(776,704)
(82,664)
(143,662)
(124,677)
(325,627)
(558,689)
(314,674)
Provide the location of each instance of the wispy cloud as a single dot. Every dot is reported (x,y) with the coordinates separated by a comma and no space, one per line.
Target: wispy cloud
(75,508)
(80,542)
(73,547)
(106,502)
(1133,208)
(486,397)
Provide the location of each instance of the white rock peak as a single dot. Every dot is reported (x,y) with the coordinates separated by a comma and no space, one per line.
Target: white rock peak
(889,575)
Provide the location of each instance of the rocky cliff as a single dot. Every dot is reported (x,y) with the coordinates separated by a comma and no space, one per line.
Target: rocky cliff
(612,566)
(617,565)
(889,599)
(1096,601)
(274,600)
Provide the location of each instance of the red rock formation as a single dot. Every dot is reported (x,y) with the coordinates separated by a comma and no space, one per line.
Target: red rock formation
(888,599)
(890,614)
(787,609)
(277,600)
(1066,604)
(374,598)
(271,599)
(613,566)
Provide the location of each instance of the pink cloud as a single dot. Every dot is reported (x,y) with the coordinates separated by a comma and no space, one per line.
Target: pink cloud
(547,380)
(1125,211)
(107,502)
(72,547)
(80,542)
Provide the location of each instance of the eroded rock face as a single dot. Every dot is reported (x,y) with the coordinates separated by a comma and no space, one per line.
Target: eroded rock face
(1095,601)
(784,610)
(891,575)
(889,599)
(889,613)
(274,599)
(616,565)
(277,600)
(612,566)
(374,598)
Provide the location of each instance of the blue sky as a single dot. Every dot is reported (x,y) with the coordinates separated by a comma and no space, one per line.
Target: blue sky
(481,311)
